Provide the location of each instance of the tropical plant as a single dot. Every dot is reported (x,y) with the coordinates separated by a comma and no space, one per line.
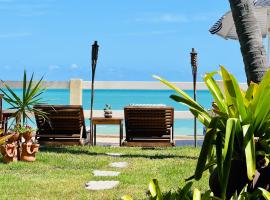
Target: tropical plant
(250,39)
(107,107)
(22,129)
(239,118)
(23,105)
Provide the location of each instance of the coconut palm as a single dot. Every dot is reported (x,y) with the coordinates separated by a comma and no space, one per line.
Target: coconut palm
(249,34)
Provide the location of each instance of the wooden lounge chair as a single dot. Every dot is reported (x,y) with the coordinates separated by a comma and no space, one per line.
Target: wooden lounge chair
(64,125)
(149,126)
(1,114)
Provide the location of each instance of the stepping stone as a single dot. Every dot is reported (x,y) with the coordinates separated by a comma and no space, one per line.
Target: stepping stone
(118,164)
(105,173)
(114,154)
(101,185)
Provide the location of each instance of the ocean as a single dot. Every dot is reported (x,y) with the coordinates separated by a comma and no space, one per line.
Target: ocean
(118,99)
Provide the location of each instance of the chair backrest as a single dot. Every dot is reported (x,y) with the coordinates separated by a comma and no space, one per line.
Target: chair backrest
(148,121)
(61,119)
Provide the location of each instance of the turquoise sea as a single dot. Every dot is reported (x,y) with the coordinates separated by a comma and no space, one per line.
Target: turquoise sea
(120,98)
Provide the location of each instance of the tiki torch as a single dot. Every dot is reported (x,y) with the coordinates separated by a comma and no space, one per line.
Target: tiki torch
(193,56)
(94,64)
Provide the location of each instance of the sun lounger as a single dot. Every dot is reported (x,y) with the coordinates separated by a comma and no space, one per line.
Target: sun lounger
(149,126)
(64,125)
(1,114)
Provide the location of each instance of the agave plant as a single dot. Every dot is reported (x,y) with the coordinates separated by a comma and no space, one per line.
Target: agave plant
(4,138)
(23,105)
(240,116)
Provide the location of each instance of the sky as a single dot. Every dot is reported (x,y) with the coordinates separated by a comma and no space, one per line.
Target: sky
(137,38)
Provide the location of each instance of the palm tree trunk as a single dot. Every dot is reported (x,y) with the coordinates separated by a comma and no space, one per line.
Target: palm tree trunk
(250,38)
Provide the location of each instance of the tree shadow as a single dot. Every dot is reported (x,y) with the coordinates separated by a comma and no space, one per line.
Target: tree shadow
(92,153)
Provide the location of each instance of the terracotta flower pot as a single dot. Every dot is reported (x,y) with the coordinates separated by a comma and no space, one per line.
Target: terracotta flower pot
(29,152)
(14,138)
(27,136)
(9,152)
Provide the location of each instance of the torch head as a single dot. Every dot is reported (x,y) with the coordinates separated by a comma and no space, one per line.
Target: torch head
(193,56)
(95,52)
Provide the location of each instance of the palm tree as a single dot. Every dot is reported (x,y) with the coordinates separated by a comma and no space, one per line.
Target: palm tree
(249,34)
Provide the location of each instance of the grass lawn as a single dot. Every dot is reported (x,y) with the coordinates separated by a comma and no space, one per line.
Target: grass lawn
(61,173)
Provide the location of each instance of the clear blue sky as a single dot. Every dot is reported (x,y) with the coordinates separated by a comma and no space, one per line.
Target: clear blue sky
(137,38)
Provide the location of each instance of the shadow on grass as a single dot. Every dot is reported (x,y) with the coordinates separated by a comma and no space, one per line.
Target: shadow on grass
(92,153)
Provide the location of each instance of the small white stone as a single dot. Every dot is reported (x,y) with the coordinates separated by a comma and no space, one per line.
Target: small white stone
(118,164)
(101,185)
(114,154)
(105,173)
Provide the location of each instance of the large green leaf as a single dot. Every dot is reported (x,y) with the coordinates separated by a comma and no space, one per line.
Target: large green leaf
(261,88)
(233,126)
(206,147)
(216,92)
(249,147)
(202,115)
(179,91)
(233,95)
(261,114)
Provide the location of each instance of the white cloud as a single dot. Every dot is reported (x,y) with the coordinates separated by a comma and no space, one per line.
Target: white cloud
(25,8)
(74,66)
(14,35)
(153,33)
(171,18)
(54,67)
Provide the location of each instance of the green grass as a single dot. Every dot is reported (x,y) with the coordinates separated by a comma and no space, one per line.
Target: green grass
(61,173)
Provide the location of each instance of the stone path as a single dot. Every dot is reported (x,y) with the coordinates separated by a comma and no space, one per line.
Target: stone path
(101,185)
(118,164)
(105,185)
(105,173)
(114,154)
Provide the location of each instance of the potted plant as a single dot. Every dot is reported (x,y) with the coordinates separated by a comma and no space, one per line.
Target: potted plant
(108,111)
(9,150)
(23,107)
(25,131)
(229,148)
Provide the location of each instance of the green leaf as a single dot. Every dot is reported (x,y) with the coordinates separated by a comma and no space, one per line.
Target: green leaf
(216,92)
(196,194)
(196,110)
(206,147)
(155,190)
(265,193)
(232,126)
(207,195)
(126,197)
(179,91)
(233,95)
(261,88)
(185,190)
(249,147)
